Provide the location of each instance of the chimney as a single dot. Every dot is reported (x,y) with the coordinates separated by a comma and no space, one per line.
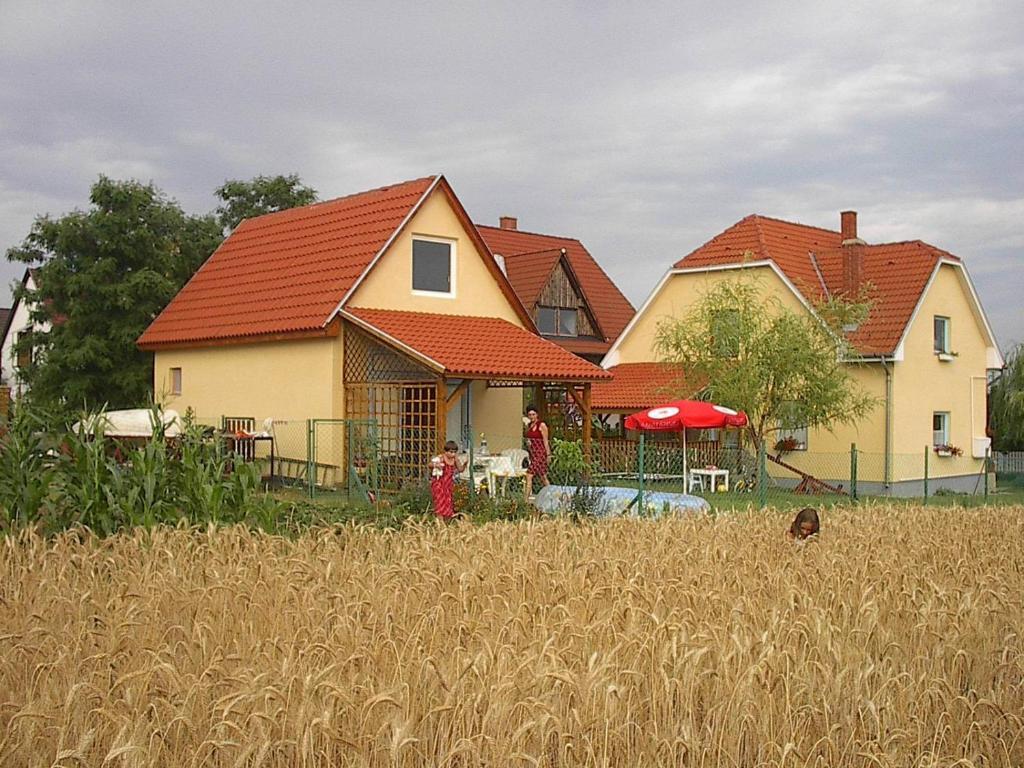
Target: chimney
(848,227)
(853,254)
(508,222)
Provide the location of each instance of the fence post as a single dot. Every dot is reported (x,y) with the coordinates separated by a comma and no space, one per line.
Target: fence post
(762,475)
(310,461)
(349,459)
(926,449)
(640,481)
(985,470)
(853,471)
(472,477)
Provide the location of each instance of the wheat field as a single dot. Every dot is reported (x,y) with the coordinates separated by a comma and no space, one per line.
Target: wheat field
(893,641)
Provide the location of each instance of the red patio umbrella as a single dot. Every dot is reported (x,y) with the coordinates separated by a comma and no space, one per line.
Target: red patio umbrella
(686,414)
(682,415)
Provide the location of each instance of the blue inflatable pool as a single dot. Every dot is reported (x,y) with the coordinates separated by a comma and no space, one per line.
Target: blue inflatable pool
(621,502)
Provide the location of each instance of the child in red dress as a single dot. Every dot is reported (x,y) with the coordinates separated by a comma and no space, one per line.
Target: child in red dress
(443,470)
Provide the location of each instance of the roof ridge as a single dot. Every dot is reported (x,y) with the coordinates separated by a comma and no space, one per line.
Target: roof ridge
(531,253)
(795,223)
(528,232)
(339,198)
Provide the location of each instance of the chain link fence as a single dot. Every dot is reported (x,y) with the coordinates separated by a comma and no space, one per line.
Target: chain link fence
(343,458)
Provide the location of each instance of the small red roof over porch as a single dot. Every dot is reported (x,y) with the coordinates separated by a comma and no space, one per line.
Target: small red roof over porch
(475,347)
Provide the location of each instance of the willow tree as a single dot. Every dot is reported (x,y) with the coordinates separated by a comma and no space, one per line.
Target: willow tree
(787,369)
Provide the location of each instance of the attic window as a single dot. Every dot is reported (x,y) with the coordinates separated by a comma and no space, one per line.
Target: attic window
(433,267)
(557,321)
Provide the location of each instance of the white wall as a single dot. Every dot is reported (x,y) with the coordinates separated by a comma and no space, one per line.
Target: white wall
(8,358)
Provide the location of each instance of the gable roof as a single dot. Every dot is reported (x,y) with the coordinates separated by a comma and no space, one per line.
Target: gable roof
(475,347)
(811,258)
(289,272)
(528,255)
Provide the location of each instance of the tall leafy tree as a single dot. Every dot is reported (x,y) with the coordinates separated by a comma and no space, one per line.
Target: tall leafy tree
(101,276)
(260,195)
(784,368)
(1006,404)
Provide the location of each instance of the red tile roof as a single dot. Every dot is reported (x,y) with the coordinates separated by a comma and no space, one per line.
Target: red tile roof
(479,347)
(812,260)
(287,271)
(528,255)
(636,386)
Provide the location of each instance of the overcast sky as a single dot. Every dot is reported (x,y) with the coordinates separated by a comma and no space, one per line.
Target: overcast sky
(643,131)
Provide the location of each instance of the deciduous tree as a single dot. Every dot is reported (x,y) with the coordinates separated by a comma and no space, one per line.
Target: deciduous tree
(101,276)
(260,195)
(786,369)
(1006,404)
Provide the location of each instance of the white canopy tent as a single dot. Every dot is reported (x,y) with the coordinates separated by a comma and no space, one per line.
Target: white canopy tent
(134,422)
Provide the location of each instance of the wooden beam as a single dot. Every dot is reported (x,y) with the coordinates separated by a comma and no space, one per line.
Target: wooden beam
(453,399)
(585,408)
(540,401)
(441,414)
(570,390)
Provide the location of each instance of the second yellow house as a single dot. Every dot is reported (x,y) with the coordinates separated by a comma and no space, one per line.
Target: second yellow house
(924,351)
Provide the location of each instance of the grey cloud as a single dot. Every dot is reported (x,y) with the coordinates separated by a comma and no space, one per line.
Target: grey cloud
(641,130)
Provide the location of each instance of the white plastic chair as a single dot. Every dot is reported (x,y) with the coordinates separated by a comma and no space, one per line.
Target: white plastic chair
(696,480)
(512,468)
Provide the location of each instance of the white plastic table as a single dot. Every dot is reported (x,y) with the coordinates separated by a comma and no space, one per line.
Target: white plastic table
(493,465)
(711,474)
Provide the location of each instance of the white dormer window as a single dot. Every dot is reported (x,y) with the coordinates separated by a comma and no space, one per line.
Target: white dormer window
(433,267)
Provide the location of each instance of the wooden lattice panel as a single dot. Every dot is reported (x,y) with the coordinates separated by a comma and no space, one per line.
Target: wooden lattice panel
(400,396)
(367,360)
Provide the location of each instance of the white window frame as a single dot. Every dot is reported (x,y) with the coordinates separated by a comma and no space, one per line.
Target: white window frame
(175,373)
(452,262)
(947,348)
(944,431)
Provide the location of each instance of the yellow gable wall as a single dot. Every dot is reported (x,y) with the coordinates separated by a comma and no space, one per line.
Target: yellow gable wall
(679,293)
(923,384)
(828,451)
(279,379)
(389,284)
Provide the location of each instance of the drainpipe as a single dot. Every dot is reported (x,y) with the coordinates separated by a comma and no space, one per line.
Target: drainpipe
(888,422)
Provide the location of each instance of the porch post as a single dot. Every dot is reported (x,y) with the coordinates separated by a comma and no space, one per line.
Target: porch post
(585,408)
(540,401)
(441,413)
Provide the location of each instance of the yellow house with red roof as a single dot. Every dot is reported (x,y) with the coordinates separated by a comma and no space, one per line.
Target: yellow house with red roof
(386,305)
(924,351)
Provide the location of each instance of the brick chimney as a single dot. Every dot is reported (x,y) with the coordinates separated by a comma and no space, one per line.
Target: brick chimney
(853,254)
(508,222)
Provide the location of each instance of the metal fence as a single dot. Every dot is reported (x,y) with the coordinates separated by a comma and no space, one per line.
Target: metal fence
(345,458)
(321,457)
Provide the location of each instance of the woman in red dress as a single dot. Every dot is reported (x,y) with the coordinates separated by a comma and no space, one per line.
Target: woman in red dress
(540,451)
(443,469)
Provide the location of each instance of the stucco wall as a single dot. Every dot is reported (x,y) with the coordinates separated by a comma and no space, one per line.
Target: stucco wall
(924,384)
(389,285)
(679,293)
(281,380)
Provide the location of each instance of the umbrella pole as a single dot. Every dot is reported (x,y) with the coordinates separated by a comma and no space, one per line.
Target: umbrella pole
(640,489)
